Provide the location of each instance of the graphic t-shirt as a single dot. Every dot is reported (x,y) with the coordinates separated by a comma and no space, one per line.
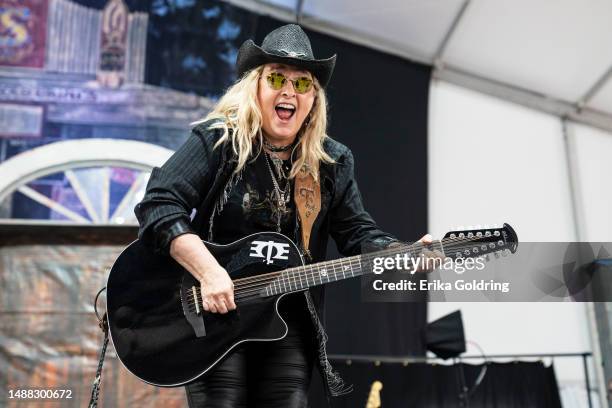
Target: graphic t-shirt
(251,207)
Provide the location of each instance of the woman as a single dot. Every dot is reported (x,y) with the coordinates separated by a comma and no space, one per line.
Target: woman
(245,166)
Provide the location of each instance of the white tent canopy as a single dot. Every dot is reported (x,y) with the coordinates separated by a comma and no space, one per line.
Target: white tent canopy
(552,55)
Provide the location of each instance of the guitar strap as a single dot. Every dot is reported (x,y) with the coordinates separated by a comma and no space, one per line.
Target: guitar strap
(307,196)
(103,323)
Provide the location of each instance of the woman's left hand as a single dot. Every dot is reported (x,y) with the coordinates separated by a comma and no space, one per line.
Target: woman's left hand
(432,259)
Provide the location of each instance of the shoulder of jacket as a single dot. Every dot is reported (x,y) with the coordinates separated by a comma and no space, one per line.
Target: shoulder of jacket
(208,130)
(337,151)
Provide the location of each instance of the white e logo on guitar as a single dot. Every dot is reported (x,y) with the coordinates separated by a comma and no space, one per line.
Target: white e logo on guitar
(279,249)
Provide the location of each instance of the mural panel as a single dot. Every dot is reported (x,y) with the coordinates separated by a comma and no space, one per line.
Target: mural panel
(113,69)
(23,32)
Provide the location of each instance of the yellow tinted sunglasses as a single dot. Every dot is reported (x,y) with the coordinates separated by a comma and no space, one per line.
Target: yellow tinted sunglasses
(276,80)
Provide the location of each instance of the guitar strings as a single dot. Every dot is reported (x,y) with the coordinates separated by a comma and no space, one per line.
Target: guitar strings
(251,286)
(255,291)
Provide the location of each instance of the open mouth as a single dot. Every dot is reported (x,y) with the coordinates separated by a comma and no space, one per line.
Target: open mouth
(284,111)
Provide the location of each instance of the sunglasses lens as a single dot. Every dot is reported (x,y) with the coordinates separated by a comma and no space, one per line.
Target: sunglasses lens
(302,85)
(276,80)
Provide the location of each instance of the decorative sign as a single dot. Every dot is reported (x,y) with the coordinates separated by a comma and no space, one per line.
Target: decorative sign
(114,43)
(20,120)
(28,92)
(23,32)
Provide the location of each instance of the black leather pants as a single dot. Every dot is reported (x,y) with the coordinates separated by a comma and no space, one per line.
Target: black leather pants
(261,374)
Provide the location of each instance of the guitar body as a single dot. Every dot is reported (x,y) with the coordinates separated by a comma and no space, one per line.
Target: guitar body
(162,337)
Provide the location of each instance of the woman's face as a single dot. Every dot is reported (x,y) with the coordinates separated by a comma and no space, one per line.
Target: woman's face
(283,110)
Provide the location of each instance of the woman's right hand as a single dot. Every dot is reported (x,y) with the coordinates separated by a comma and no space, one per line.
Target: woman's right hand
(217,290)
(216,286)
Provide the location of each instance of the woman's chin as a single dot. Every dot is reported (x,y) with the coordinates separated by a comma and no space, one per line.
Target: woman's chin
(283,132)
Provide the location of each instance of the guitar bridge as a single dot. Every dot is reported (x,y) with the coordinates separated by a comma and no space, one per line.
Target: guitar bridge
(195,296)
(191,302)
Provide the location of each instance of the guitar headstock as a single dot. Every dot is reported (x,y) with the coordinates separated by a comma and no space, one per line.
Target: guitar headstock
(475,242)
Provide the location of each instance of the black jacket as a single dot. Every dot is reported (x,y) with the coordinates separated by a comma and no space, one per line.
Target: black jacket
(200,177)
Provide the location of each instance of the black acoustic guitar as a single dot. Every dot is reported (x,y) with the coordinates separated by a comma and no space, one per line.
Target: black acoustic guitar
(154,306)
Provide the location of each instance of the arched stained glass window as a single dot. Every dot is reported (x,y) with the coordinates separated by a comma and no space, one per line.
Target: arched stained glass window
(92,181)
(99,195)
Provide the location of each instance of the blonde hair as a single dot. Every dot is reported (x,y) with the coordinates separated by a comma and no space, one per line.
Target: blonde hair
(239,110)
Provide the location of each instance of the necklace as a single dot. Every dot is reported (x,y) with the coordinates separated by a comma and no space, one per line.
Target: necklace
(281,197)
(277,149)
(278,166)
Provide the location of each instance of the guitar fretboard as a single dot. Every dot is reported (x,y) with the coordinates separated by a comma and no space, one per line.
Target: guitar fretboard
(304,277)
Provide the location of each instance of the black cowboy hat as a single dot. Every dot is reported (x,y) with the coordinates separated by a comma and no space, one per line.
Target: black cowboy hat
(289,45)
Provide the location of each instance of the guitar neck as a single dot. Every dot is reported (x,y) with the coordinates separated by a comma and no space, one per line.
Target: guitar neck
(468,243)
(321,273)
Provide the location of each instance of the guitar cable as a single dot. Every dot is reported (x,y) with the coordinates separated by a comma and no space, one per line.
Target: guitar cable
(466,393)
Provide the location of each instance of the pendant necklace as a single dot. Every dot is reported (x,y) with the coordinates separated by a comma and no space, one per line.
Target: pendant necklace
(281,197)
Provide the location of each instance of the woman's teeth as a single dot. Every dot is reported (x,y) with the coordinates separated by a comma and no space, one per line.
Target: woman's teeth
(285,110)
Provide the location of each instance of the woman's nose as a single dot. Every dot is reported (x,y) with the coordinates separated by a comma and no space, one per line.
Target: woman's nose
(288,88)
